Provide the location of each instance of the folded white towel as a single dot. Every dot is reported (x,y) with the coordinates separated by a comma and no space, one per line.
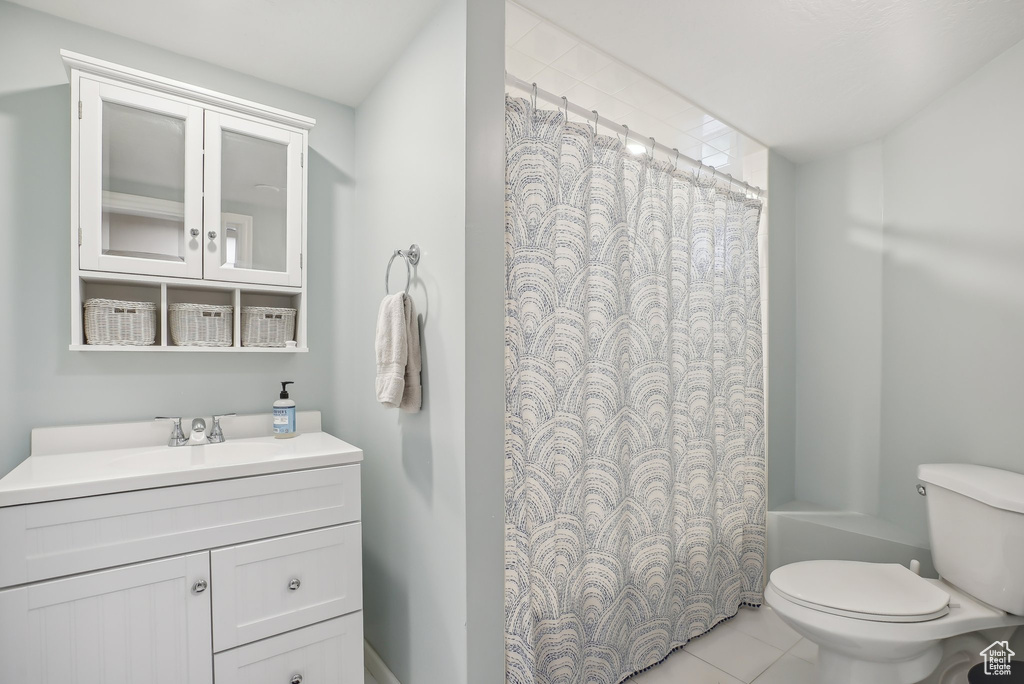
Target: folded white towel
(392,350)
(398,354)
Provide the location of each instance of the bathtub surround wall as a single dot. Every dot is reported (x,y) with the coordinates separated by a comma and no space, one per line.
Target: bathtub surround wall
(781,323)
(45,383)
(910,302)
(838,329)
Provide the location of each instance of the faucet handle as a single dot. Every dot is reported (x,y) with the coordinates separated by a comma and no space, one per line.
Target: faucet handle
(178,437)
(216,434)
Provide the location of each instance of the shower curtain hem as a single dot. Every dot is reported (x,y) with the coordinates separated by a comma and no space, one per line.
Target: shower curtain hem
(675,648)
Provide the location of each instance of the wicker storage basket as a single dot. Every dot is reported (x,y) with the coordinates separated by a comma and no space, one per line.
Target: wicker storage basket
(111,321)
(200,325)
(267,326)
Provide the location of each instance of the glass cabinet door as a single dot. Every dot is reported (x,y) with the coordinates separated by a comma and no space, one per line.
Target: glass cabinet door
(140,182)
(253,202)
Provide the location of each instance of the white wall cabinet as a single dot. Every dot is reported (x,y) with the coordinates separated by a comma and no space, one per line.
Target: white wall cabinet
(236,606)
(175,185)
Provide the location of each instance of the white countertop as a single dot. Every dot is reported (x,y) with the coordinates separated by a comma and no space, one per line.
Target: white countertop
(53,476)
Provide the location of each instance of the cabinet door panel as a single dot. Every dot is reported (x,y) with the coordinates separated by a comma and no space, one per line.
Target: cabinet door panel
(140,182)
(139,623)
(253,211)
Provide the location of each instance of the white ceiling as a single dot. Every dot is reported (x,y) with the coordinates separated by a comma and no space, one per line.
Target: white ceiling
(337,49)
(807,77)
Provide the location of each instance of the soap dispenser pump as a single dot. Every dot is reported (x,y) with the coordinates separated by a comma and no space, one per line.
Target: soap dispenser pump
(284,414)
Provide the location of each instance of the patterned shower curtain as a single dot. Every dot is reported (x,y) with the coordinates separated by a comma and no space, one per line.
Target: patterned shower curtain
(634,458)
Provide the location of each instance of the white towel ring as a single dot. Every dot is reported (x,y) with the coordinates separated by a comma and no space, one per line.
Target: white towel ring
(411,256)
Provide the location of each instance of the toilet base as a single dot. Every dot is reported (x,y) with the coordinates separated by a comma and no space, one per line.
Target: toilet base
(838,668)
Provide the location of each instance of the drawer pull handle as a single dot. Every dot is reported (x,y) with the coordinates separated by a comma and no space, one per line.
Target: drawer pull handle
(294,584)
(199,587)
(296,679)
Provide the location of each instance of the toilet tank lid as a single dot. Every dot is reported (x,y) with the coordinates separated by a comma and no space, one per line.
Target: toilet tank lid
(997,488)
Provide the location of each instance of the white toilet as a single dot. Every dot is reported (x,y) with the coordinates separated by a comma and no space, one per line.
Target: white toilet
(880,623)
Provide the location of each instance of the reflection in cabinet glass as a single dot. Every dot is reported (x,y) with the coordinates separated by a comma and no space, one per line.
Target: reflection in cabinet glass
(143,183)
(140,182)
(253,193)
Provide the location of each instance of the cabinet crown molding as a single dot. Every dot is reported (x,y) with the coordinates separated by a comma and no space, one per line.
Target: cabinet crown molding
(99,67)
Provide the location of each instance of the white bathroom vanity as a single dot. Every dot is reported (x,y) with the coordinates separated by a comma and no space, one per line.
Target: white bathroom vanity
(125,561)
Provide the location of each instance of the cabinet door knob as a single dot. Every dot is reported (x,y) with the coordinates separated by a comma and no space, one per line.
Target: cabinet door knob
(296,679)
(195,232)
(199,587)
(212,235)
(294,583)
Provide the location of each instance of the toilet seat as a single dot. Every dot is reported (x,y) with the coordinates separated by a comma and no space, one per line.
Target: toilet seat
(880,592)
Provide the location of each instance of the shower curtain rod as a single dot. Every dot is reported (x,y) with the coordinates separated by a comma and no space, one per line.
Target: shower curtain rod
(560,102)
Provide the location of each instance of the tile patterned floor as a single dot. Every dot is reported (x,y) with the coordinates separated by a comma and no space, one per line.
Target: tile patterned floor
(755,647)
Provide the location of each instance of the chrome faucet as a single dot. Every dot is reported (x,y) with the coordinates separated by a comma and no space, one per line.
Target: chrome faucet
(198,435)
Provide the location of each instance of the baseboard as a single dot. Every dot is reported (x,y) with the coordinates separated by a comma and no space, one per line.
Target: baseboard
(376,667)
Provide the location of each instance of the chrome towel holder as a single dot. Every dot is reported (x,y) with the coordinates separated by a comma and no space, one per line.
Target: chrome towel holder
(411,256)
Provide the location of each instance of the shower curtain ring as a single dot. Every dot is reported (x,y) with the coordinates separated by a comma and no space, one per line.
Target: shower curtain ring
(533,96)
(675,166)
(654,143)
(565,104)
(731,189)
(626,143)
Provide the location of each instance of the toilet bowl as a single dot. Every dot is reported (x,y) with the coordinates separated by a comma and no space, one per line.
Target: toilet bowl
(880,623)
(900,645)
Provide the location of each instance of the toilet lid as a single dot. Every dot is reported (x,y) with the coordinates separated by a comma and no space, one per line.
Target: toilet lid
(884,592)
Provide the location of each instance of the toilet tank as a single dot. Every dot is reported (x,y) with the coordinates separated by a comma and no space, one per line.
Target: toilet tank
(976,526)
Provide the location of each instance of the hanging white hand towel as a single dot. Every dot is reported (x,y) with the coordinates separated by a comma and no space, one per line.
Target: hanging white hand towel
(392,350)
(398,354)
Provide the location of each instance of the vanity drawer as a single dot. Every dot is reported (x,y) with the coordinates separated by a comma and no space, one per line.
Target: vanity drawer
(326,653)
(58,538)
(276,585)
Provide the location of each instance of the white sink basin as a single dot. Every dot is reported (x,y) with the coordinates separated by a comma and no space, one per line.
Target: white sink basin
(225,453)
(90,472)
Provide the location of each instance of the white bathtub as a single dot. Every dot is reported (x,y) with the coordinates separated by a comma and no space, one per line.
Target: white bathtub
(801,531)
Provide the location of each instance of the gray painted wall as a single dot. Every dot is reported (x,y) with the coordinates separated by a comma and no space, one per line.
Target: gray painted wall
(411,166)
(781,369)
(485,340)
(838,329)
(953,307)
(45,383)
(910,302)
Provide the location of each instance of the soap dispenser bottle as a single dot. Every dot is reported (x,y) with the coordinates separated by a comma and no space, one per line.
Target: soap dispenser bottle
(284,414)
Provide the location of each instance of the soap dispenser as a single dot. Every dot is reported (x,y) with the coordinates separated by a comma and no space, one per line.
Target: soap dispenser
(284,414)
